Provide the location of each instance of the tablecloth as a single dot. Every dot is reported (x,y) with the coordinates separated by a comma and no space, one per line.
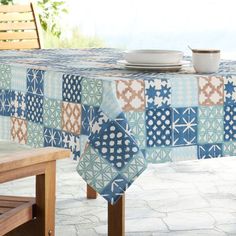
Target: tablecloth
(115,120)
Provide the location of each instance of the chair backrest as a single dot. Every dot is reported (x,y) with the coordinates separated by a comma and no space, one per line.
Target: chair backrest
(19,27)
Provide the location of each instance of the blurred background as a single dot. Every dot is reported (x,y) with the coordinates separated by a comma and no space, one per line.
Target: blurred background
(134,24)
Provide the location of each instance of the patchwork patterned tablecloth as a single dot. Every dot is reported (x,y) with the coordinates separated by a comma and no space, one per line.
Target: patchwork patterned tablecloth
(115,120)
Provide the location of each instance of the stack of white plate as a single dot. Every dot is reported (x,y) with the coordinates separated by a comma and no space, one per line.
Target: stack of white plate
(159,60)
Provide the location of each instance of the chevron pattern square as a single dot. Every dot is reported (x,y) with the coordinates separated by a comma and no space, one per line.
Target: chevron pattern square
(158,155)
(210,151)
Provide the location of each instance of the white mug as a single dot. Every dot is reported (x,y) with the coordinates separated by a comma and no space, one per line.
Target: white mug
(206,61)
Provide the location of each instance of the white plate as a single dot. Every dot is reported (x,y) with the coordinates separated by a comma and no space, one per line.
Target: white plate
(125,63)
(148,56)
(156,68)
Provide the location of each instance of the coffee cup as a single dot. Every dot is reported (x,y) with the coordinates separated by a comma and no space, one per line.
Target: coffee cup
(206,61)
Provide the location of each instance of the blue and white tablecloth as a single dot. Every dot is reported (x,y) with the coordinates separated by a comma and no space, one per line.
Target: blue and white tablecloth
(115,120)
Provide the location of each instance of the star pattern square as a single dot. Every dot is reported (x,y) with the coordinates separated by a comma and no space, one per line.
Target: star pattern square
(89,114)
(19,130)
(52,137)
(113,191)
(18,105)
(71,88)
(210,126)
(185,127)
(158,93)
(158,127)
(35,81)
(211,90)
(71,117)
(206,151)
(34,104)
(131,94)
(5,102)
(230,90)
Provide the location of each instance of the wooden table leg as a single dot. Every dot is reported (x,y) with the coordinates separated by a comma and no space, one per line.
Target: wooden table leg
(116,218)
(45,201)
(91,193)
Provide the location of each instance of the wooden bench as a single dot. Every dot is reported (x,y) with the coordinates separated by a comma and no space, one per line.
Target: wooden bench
(35,216)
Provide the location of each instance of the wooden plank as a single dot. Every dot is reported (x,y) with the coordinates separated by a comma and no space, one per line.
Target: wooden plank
(17,26)
(32,156)
(4,209)
(91,193)
(11,204)
(15,8)
(15,16)
(116,218)
(38,25)
(15,217)
(26,44)
(18,35)
(17,199)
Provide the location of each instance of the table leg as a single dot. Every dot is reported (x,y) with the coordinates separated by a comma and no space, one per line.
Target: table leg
(91,193)
(116,218)
(45,201)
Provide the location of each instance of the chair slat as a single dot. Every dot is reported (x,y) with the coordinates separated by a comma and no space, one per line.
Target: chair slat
(16,16)
(25,44)
(17,26)
(18,35)
(15,8)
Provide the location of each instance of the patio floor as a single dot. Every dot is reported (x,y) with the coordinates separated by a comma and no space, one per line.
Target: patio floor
(181,199)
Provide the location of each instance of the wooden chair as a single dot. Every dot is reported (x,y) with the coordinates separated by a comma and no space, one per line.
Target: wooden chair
(21,216)
(19,27)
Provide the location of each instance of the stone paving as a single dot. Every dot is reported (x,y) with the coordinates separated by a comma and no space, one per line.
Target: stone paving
(174,199)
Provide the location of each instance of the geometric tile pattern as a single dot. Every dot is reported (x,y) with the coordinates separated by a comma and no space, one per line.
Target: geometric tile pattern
(19,130)
(158,126)
(71,117)
(5,76)
(96,171)
(35,135)
(158,155)
(136,120)
(185,126)
(230,90)
(115,120)
(131,95)
(92,92)
(184,91)
(211,90)
(52,113)
(210,150)
(229,123)
(18,105)
(210,126)
(158,93)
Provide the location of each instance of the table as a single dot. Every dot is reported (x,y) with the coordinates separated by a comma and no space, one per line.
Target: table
(15,164)
(117,120)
